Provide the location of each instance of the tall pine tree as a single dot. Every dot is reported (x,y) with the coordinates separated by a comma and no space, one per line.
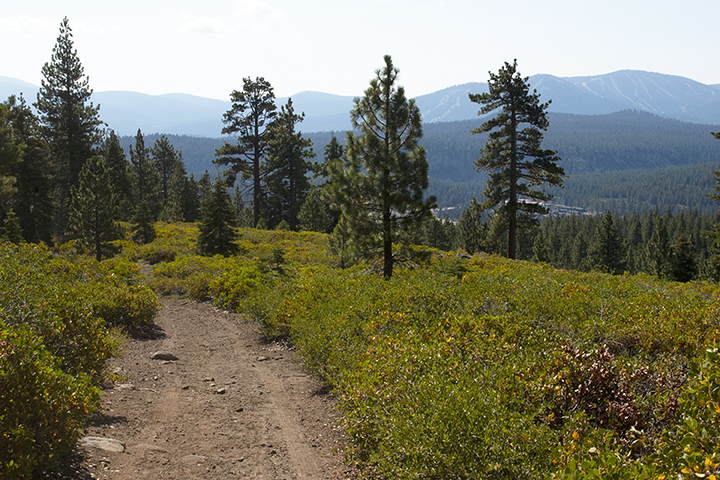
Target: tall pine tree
(165,158)
(70,123)
(146,180)
(120,175)
(32,203)
(11,154)
(173,209)
(252,112)
(513,154)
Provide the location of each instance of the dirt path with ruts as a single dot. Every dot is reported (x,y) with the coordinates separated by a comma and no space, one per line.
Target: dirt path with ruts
(230,406)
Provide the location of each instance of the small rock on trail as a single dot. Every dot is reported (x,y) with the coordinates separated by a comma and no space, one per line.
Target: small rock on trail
(164,356)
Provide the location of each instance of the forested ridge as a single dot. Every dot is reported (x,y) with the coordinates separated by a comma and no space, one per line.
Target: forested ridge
(626,162)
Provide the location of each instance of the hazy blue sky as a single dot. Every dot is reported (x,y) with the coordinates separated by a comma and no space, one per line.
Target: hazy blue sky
(206,47)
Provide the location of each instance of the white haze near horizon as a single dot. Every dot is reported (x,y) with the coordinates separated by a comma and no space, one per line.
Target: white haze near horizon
(334,46)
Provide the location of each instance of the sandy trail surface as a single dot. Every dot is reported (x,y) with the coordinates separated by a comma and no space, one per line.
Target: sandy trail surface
(231,406)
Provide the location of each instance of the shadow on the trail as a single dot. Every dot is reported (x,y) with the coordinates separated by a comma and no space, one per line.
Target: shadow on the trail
(102,419)
(69,468)
(150,332)
(323,390)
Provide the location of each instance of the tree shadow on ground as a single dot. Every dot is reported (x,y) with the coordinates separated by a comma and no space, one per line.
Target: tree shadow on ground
(100,419)
(149,332)
(71,467)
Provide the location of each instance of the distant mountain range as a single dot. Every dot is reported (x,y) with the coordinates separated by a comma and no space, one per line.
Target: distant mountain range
(181,114)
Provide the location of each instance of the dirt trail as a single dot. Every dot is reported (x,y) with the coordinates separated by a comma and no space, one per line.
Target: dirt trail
(230,406)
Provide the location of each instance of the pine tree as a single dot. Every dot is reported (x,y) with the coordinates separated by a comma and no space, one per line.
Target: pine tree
(333,153)
(435,234)
(173,208)
(252,111)
(191,200)
(11,231)
(244,214)
(683,259)
(92,217)
(120,174)
(217,233)
(472,229)
(313,216)
(657,251)
(205,186)
(286,181)
(540,248)
(578,253)
(11,154)
(70,122)
(165,158)
(32,202)
(143,230)
(513,153)
(713,263)
(145,176)
(381,184)
(340,242)
(607,252)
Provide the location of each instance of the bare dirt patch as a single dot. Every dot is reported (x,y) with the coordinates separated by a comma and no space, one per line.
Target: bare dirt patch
(231,405)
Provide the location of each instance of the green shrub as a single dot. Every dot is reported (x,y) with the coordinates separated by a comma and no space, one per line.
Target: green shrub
(54,345)
(487,368)
(42,407)
(232,288)
(129,307)
(192,275)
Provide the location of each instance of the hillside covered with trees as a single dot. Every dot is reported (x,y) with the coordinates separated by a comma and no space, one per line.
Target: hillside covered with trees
(666,162)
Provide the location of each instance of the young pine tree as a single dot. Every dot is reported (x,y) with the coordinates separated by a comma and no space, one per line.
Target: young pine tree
(607,252)
(217,234)
(143,230)
(683,259)
(472,229)
(313,216)
(381,183)
(92,215)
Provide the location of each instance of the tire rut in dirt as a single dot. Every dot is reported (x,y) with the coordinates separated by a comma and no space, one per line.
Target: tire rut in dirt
(231,405)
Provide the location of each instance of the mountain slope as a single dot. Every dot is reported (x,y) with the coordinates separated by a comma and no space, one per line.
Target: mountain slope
(664,95)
